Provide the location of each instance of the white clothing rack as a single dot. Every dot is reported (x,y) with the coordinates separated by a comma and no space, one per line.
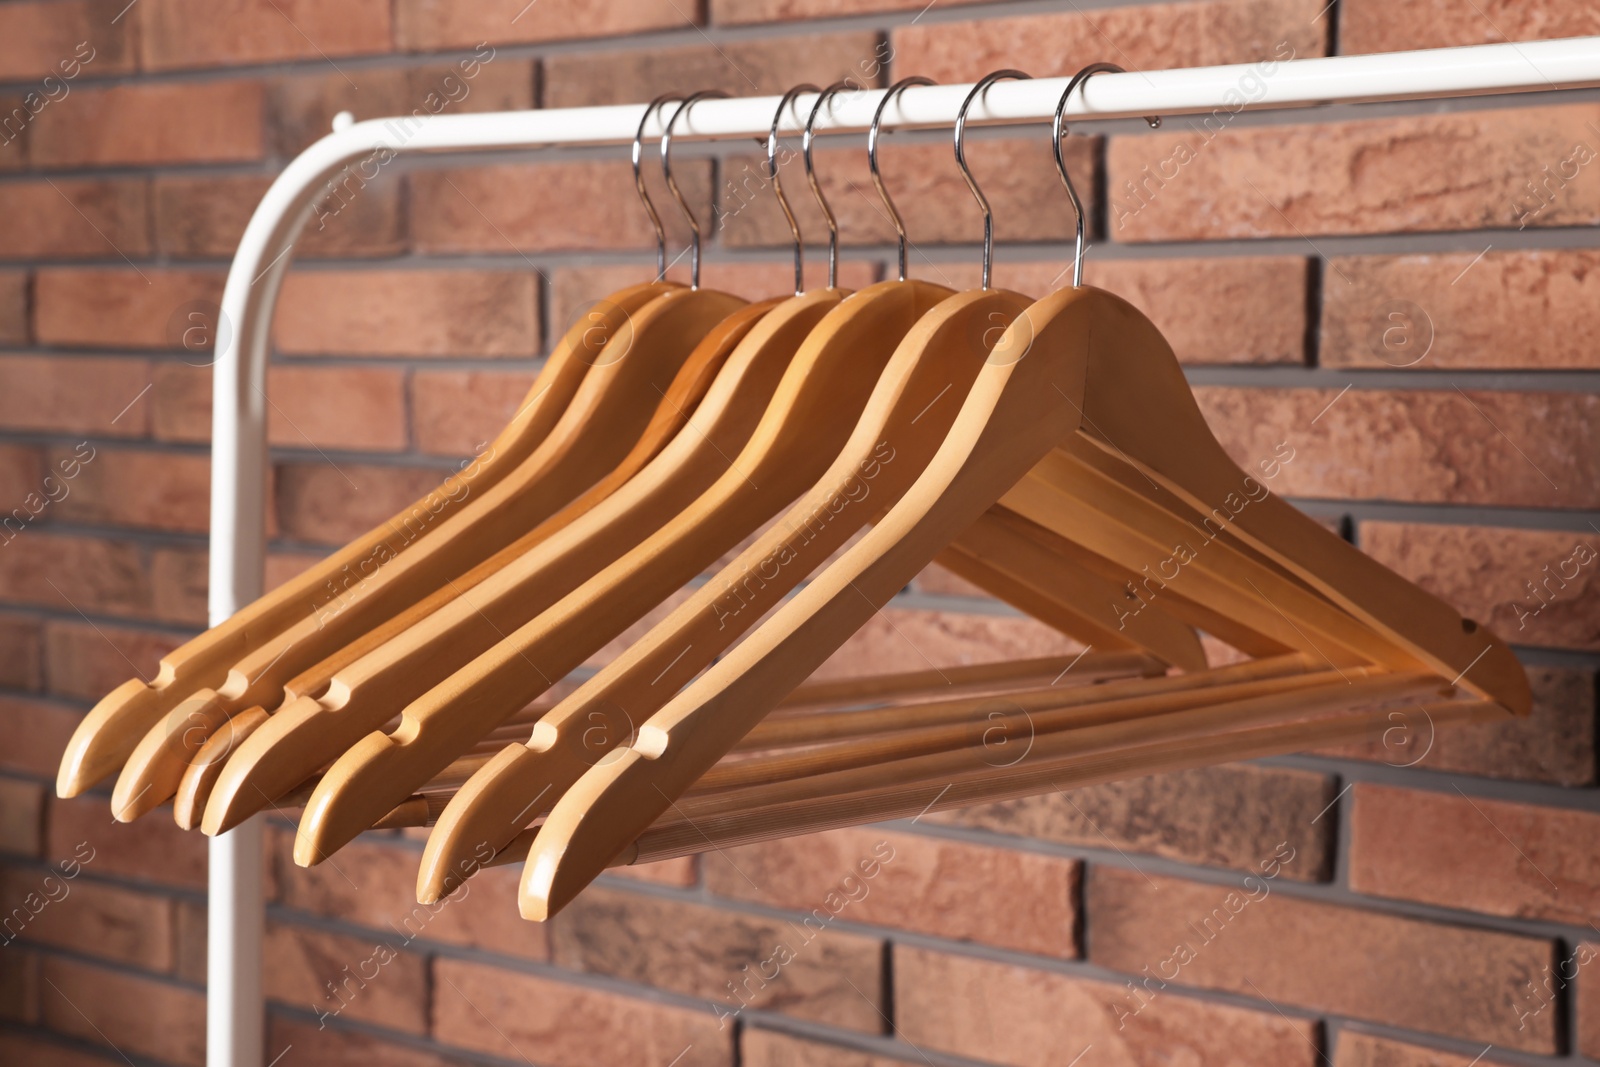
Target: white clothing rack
(234,1004)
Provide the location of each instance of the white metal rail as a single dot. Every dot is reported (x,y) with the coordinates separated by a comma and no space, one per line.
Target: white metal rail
(234,1003)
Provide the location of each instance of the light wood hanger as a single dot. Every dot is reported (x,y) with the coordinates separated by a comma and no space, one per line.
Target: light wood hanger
(617,400)
(911,407)
(1051,375)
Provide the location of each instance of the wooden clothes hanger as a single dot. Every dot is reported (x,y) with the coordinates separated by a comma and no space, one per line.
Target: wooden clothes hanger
(1080,360)
(915,398)
(615,402)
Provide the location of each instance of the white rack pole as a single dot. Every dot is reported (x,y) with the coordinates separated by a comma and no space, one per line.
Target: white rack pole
(239,451)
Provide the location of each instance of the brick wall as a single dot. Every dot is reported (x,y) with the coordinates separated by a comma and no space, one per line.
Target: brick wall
(1408,293)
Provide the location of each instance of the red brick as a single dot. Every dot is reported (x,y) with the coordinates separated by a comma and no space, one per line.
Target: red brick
(739,68)
(904,639)
(510,208)
(1421,446)
(140,1016)
(64,573)
(69,40)
(1532,309)
(140,125)
(21,817)
(1149,36)
(74,219)
(1555,744)
(727,959)
(61,395)
(21,664)
(567,1025)
(1235,815)
(16,124)
(137,487)
(122,308)
(14,308)
(1491,856)
(88,917)
(1365,1050)
(427,25)
(374,885)
(88,661)
(178,579)
(768,1048)
(309,406)
(1246,939)
(36,734)
(27,1048)
(203,218)
(966,892)
(300,109)
(151,849)
(330,1046)
(335,503)
(357,979)
(456,412)
(194,33)
(1588,1006)
(19,986)
(1370,26)
(1460,171)
(746,11)
(1532,587)
(413,313)
(1003,1013)
(1018,176)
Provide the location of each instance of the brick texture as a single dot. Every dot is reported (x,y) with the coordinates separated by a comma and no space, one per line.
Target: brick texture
(570,1025)
(1250,941)
(1513,449)
(38,36)
(72,219)
(1462,311)
(151,124)
(415,313)
(1371,26)
(432,24)
(1000,1012)
(21,817)
(734,962)
(1153,36)
(1439,172)
(1365,1050)
(1234,816)
(1474,854)
(187,33)
(949,889)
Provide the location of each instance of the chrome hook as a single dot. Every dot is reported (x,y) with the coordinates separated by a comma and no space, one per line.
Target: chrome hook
(666,167)
(872,159)
(961,161)
(777,182)
(1058,131)
(811,177)
(638,182)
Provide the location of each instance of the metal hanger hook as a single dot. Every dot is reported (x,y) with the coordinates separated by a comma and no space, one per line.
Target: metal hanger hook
(1058,133)
(777,182)
(961,160)
(672,184)
(638,181)
(872,158)
(811,174)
